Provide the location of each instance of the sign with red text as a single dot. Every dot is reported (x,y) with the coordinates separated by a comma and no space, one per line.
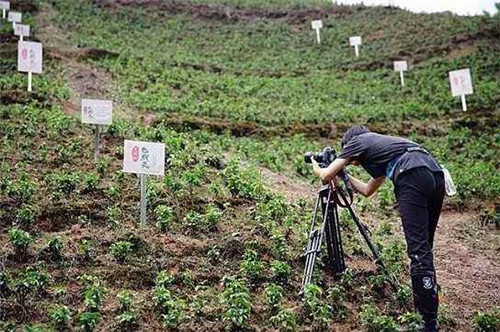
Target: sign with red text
(22,30)
(461,82)
(99,112)
(29,58)
(15,17)
(400,66)
(144,158)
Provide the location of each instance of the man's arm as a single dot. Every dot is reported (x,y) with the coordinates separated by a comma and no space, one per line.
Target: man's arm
(366,189)
(326,174)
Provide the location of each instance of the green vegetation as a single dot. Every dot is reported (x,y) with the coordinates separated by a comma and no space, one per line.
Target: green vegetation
(234,94)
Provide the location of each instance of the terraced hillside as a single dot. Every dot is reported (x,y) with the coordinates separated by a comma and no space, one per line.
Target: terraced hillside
(238,91)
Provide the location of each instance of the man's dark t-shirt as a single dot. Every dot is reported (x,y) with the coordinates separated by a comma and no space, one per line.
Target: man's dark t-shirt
(375,151)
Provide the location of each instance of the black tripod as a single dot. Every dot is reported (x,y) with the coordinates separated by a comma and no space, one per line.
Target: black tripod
(330,197)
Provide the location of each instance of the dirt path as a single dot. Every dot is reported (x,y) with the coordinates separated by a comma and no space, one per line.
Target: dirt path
(469,277)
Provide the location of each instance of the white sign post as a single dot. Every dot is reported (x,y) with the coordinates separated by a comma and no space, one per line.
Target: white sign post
(144,158)
(317,25)
(461,85)
(22,30)
(29,59)
(401,66)
(4,6)
(98,113)
(15,17)
(355,41)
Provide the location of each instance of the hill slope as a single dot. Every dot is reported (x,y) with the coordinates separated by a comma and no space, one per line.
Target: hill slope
(237,92)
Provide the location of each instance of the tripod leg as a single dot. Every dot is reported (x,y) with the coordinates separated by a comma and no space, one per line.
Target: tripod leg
(363,230)
(340,248)
(311,253)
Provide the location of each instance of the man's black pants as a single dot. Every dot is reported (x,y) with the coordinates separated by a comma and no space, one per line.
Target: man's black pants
(420,193)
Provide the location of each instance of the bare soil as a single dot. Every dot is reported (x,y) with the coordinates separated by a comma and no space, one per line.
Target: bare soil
(226,13)
(469,276)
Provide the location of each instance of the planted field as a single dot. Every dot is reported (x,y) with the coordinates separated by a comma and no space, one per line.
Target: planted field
(237,91)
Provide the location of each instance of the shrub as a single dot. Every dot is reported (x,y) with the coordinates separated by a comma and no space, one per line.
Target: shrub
(336,296)
(251,265)
(164,217)
(4,282)
(236,297)
(26,215)
(281,271)
(404,294)
(87,321)
(318,311)
(279,247)
(55,247)
(164,279)
(125,299)
(31,280)
(20,240)
(487,321)
(60,317)
(274,294)
(411,320)
(121,250)
(63,183)
(284,320)
(172,308)
(212,217)
(87,248)
(90,181)
(93,293)
(22,189)
(376,322)
(126,320)
(114,214)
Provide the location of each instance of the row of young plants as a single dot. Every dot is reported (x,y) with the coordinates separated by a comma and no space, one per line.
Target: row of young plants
(425,108)
(202,195)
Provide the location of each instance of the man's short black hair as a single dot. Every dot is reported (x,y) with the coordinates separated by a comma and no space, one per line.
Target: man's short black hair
(353,131)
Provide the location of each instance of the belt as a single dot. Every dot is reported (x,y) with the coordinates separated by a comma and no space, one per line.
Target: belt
(392,164)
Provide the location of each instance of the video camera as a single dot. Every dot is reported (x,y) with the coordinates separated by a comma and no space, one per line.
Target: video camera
(324,158)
